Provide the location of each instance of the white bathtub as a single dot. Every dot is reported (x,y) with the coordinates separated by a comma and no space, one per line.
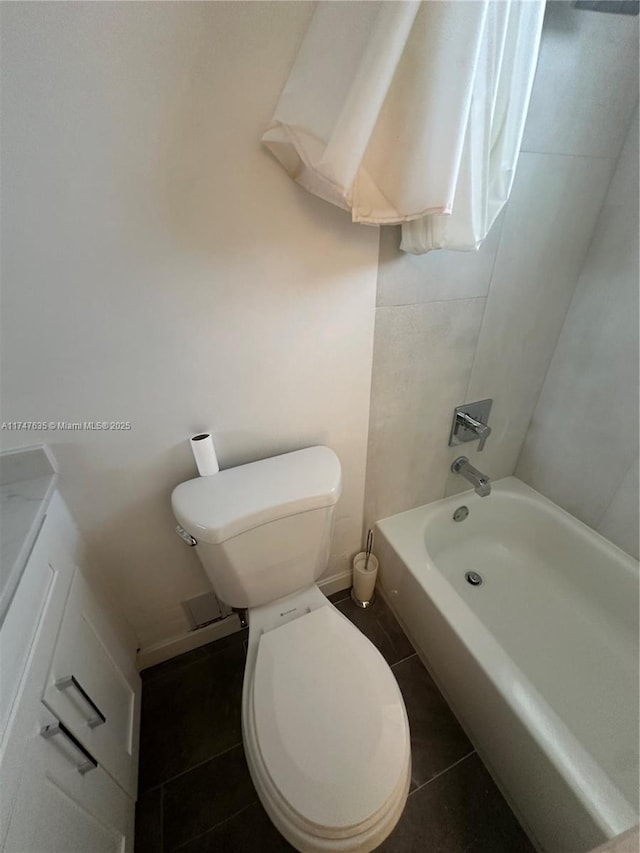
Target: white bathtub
(540,662)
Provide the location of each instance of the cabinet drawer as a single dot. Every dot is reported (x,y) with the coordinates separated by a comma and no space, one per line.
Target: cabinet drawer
(90,687)
(76,812)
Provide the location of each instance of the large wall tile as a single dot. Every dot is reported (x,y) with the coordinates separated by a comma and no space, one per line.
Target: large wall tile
(441,274)
(584,432)
(586,82)
(620,520)
(584,93)
(422,357)
(550,217)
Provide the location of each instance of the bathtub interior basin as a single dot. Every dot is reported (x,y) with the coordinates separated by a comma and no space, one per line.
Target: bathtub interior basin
(552,631)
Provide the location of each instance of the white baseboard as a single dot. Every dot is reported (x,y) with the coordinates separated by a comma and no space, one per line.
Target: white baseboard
(171,648)
(336,582)
(174,646)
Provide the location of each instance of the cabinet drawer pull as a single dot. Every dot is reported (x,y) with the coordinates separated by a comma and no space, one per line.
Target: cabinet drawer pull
(59,728)
(72,681)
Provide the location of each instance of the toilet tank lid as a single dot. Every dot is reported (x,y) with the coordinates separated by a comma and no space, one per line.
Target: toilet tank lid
(216,507)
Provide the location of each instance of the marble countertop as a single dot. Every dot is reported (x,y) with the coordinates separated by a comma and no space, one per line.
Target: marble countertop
(27,481)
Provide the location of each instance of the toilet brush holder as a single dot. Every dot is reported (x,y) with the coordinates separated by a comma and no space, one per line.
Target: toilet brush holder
(364,580)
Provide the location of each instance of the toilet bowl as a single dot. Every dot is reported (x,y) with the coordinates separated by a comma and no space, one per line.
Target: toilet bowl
(324,724)
(324,727)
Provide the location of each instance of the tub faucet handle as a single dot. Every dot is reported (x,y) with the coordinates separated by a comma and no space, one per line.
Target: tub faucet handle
(470,423)
(482,431)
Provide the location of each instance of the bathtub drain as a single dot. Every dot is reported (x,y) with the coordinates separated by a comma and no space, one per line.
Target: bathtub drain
(473,578)
(461,513)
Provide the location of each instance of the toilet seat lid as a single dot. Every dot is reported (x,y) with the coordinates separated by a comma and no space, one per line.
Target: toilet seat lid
(330,720)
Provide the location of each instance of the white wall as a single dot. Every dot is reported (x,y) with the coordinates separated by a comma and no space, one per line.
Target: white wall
(159,268)
(453,327)
(581,449)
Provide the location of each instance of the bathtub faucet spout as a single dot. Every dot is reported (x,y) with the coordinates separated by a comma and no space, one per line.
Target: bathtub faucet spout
(480,482)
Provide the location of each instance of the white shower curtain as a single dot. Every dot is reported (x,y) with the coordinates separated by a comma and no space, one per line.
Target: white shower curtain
(411,112)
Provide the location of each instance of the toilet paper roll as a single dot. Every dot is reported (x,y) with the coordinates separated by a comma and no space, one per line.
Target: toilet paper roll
(205,454)
(364,582)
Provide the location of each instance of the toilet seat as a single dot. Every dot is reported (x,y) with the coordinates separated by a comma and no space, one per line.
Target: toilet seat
(327,737)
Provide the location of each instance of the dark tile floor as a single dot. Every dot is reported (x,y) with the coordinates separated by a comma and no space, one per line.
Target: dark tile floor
(196,795)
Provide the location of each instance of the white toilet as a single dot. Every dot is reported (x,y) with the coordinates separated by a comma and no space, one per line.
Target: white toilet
(324,725)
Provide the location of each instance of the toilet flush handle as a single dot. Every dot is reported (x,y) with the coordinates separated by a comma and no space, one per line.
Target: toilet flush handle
(186,537)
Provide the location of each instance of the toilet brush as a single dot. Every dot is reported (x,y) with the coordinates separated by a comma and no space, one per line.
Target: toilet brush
(365,570)
(367,550)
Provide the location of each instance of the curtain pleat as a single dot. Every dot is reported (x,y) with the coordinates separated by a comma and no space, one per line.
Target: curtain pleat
(411,112)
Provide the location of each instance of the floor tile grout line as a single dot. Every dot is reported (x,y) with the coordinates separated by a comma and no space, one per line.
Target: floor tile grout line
(442,772)
(203,654)
(143,793)
(176,669)
(195,767)
(161,818)
(215,826)
(403,660)
(340,600)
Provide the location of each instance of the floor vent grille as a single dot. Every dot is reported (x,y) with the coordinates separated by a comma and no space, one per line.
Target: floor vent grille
(205,609)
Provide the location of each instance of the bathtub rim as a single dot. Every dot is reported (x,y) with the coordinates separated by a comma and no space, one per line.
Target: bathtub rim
(517,488)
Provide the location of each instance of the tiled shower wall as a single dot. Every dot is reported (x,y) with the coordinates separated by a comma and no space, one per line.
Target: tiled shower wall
(455,327)
(581,449)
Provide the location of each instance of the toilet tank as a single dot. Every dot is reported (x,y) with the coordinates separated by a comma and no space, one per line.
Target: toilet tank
(263,530)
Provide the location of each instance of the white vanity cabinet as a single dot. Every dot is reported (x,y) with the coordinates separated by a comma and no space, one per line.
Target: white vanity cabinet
(93,686)
(68,748)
